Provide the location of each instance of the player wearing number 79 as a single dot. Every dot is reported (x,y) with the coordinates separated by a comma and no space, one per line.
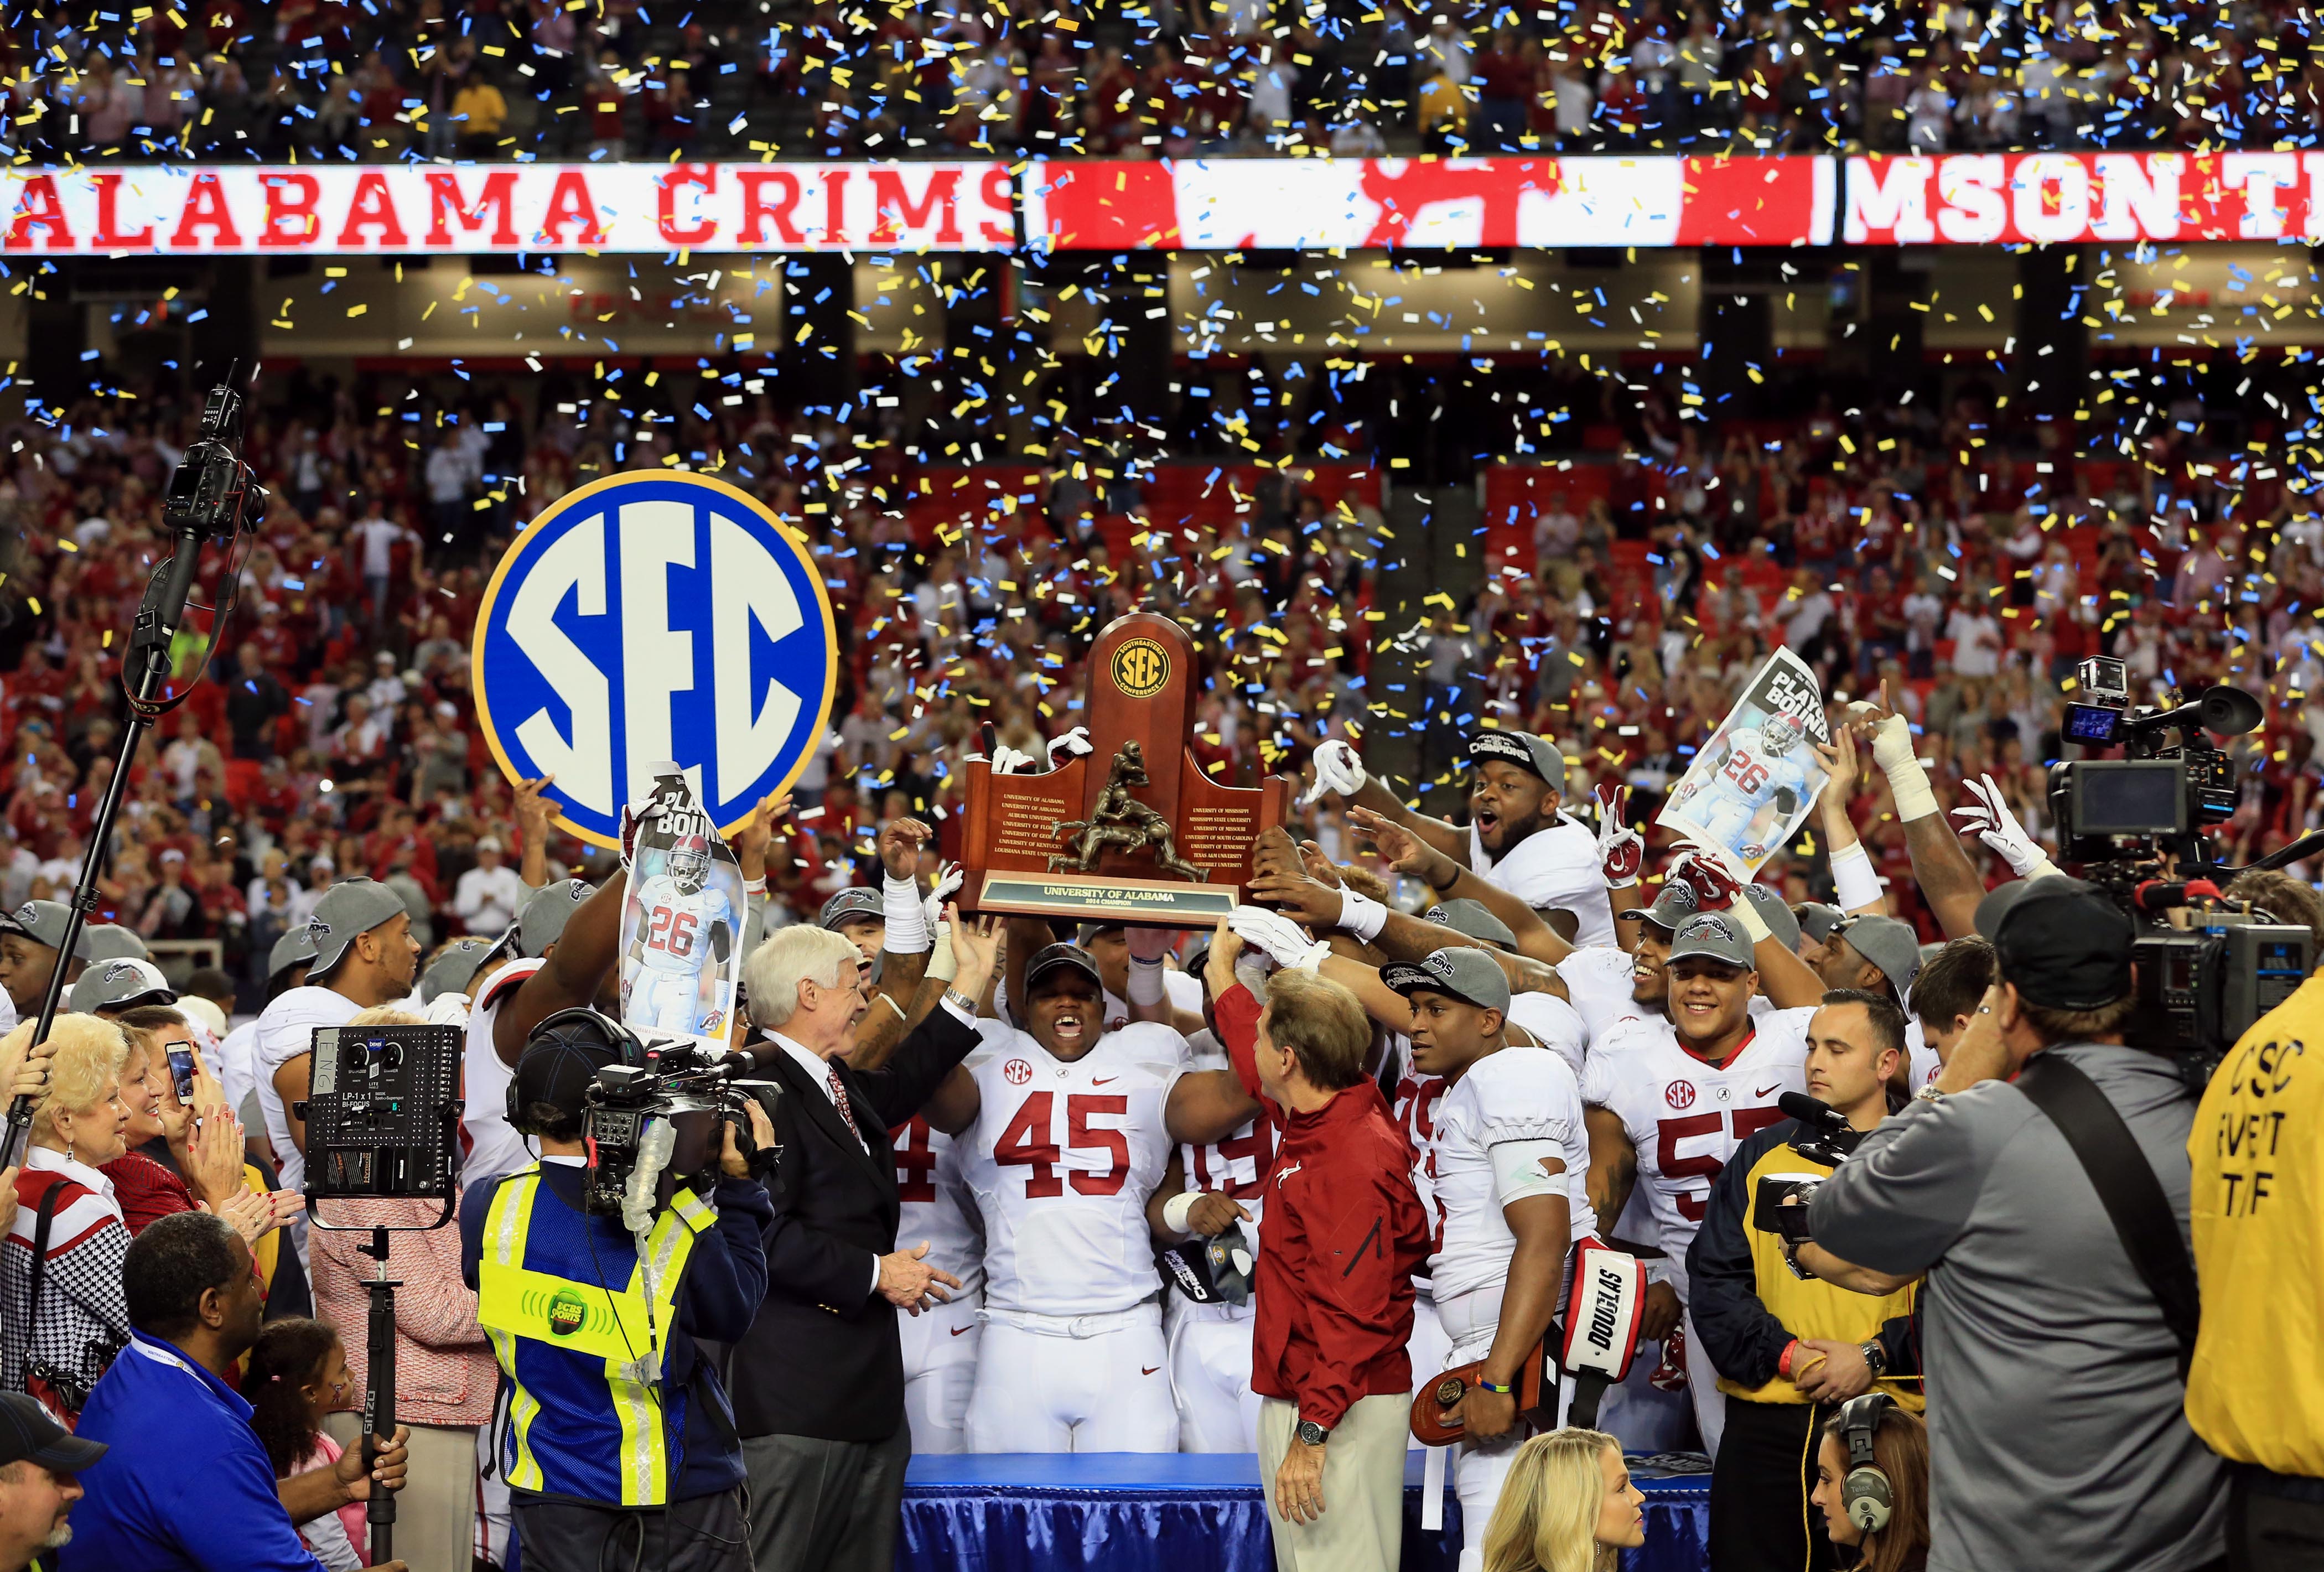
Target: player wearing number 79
(685,922)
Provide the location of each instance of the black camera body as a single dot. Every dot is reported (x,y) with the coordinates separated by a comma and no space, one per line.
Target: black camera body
(656,1128)
(2137,827)
(210,493)
(382,1113)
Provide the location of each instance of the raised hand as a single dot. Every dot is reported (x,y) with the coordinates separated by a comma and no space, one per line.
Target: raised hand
(1338,769)
(975,948)
(948,883)
(1621,850)
(1989,818)
(1300,897)
(1279,936)
(534,811)
(634,821)
(1319,867)
(1398,846)
(899,846)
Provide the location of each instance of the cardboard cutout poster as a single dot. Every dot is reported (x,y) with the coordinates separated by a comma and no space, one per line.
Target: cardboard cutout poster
(1757,779)
(682,924)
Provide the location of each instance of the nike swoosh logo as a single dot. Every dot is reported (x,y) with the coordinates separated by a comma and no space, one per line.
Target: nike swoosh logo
(1107,1081)
(959,1331)
(1148,1370)
(1763,1091)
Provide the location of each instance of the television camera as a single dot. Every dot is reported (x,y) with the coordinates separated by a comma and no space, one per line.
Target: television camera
(653,1125)
(2207,967)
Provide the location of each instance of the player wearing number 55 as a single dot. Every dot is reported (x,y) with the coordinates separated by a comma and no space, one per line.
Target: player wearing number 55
(819,1378)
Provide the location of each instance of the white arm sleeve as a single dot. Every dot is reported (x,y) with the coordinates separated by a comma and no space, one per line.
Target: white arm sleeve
(1518,1170)
(1854,881)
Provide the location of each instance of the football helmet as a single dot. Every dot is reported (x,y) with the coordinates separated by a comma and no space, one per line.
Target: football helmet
(1780,734)
(689,864)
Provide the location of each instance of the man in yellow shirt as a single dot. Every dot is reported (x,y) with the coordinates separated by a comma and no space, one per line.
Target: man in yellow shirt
(479,111)
(1788,1346)
(2255,1391)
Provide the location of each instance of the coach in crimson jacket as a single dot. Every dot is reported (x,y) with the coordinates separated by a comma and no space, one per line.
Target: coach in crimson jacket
(819,1382)
(1341,1233)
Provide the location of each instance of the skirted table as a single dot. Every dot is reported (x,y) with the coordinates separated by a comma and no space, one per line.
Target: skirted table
(1130,1511)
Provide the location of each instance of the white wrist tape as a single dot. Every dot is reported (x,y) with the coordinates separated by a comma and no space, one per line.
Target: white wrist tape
(1853,878)
(942,964)
(1145,983)
(908,922)
(2042,868)
(1518,1170)
(1747,917)
(1360,915)
(1892,750)
(1176,1209)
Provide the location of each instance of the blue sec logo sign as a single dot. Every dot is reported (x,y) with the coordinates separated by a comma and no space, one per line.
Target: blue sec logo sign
(651,616)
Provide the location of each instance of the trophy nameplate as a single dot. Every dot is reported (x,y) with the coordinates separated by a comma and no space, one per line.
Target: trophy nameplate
(1132,831)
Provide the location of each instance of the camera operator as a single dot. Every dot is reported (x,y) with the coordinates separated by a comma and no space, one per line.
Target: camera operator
(2255,1391)
(2058,1436)
(621,1443)
(1787,1346)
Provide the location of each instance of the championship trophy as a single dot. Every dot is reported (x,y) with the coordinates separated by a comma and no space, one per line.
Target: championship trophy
(1132,831)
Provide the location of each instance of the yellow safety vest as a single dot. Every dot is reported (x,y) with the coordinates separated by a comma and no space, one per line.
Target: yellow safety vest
(583,1359)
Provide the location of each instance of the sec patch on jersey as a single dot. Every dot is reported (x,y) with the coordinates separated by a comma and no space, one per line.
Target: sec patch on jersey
(651,616)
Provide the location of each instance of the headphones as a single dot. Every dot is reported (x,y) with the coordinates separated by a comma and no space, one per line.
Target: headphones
(1865,1494)
(607,1032)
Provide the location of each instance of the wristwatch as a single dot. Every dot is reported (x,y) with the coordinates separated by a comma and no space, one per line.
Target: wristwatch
(961,1001)
(1929,1094)
(1312,1433)
(1875,1357)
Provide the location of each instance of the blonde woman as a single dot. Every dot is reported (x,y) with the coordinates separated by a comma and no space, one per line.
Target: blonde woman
(1568,1506)
(61,1325)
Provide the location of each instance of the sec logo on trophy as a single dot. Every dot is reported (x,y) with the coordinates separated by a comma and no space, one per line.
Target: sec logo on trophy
(651,616)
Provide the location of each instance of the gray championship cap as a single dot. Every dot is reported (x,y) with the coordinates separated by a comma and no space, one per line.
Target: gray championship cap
(452,971)
(1051,958)
(1711,935)
(43,922)
(1817,919)
(296,948)
(858,904)
(350,907)
(541,922)
(109,942)
(1525,750)
(119,985)
(1472,920)
(1889,944)
(1464,971)
(1672,905)
(1782,925)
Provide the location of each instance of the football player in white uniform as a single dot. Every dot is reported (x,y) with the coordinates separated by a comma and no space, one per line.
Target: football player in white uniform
(940,1344)
(1759,769)
(1063,1140)
(683,924)
(1517,837)
(1882,955)
(1667,1100)
(1507,1168)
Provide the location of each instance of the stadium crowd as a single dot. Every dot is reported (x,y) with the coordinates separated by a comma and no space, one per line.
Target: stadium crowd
(1627,598)
(418,78)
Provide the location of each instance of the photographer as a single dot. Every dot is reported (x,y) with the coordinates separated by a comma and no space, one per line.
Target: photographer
(2255,1389)
(2057,1437)
(622,1447)
(1787,1346)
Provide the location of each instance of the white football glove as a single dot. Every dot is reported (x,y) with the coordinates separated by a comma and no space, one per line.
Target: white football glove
(1073,746)
(448,1009)
(1989,819)
(1008,761)
(1621,851)
(1338,768)
(1287,944)
(948,883)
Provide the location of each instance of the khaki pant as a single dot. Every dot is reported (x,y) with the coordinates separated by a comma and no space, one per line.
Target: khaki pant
(435,1511)
(1362,1526)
